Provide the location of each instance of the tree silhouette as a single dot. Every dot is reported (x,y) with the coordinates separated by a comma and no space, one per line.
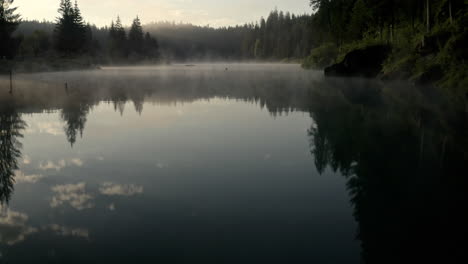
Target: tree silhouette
(8,23)
(118,40)
(11,127)
(74,114)
(136,38)
(70,30)
(406,201)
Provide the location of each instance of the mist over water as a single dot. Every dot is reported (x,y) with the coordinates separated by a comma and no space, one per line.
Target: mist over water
(228,163)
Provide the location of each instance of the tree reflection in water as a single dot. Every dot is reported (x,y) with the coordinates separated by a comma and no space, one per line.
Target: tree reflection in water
(403,151)
(11,128)
(406,161)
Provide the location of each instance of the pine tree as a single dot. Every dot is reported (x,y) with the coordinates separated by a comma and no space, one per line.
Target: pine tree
(8,24)
(118,40)
(70,31)
(11,128)
(135,37)
(151,48)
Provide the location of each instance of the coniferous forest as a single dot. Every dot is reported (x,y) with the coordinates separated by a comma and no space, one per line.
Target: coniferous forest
(337,133)
(426,38)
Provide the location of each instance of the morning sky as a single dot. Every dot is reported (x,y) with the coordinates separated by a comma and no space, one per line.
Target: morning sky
(200,12)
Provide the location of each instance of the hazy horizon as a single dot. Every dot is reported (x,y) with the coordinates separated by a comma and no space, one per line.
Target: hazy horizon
(196,12)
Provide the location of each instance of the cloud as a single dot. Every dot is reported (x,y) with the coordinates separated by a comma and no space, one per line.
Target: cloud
(50,165)
(161,165)
(67,231)
(76,162)
(72,194)
(26,160)
(51,128)
(13,227)
(61,164)
(112,189)
(20,177)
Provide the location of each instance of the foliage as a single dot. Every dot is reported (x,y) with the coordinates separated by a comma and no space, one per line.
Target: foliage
(322,56)
(424,35)
(9,21)
(279,36)
(70,31)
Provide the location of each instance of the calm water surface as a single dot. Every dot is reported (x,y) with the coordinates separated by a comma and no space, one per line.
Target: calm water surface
(224,164)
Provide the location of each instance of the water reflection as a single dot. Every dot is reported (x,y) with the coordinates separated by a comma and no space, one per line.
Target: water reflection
(403,152)
(11,128)
(74,114)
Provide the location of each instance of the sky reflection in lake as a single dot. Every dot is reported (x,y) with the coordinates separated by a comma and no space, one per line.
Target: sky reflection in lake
(218,163)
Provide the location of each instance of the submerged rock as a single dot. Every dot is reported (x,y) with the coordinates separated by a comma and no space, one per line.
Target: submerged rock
(366,62)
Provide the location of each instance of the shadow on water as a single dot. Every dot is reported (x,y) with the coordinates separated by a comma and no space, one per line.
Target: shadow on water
(404,151)
(11,128)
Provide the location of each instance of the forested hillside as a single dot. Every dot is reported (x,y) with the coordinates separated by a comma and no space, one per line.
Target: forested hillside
(428,38)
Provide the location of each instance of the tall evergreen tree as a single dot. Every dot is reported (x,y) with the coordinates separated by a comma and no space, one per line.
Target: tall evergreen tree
(136,37)
(151,47)
(11,128)
(70,31)
(8,24)
(118,40)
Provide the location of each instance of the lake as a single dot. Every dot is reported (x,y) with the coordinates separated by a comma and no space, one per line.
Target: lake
(229,163)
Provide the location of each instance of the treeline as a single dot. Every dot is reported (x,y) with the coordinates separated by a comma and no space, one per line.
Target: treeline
(70,40)
(428,37)
(279,36)
(341,21)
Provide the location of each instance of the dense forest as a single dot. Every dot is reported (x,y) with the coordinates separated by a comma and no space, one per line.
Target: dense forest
(427,38)
(70,41)
(279,36)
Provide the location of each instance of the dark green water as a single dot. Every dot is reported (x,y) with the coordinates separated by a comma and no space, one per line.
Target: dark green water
(253,164)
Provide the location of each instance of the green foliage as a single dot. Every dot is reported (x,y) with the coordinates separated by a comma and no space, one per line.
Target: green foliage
(322,56)
(280,36)
(360,18)
(428,38)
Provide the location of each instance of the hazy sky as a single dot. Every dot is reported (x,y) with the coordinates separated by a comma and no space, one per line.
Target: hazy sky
(200,12)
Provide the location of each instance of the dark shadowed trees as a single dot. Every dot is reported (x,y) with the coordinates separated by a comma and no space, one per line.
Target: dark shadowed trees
(117,40)
(9,21)
(70,30)
(11,128)
(136,38)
